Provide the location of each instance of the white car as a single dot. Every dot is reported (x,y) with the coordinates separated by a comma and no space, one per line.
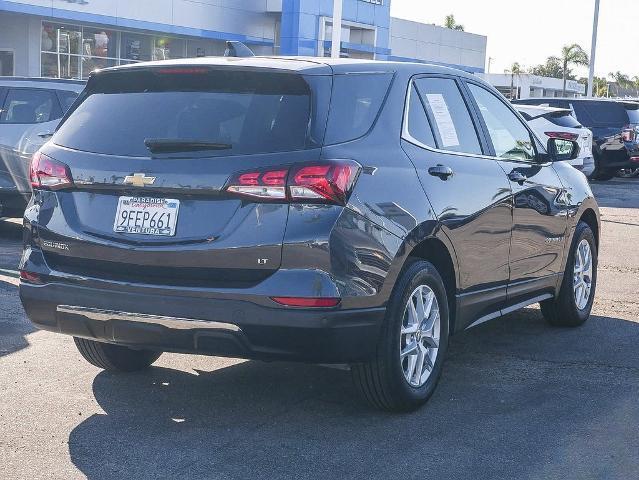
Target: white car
(551,122)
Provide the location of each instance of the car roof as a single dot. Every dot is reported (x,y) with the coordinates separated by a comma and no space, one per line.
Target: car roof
(538,111)
(39,82)
(576,99)
(303,65)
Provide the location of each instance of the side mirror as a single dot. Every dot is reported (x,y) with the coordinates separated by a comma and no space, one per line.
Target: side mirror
(561,149)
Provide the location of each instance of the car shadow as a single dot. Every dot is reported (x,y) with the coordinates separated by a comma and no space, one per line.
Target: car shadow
(518,399)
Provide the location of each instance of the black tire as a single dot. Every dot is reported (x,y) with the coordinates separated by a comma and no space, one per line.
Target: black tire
(115,357)
(562,311)
(600,173)
(381,380)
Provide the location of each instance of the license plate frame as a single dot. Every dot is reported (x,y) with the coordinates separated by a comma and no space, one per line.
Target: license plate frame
(146,216)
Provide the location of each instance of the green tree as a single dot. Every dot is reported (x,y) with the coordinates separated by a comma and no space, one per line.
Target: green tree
(572,55)
(600,87)
(450,22)
(552,68)
(515,69)
(635,85)
(621,80)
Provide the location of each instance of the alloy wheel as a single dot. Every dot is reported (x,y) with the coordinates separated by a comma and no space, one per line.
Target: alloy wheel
(419,338)
(582,278)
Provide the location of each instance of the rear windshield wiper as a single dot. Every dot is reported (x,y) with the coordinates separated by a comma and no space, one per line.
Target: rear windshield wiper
(174,145)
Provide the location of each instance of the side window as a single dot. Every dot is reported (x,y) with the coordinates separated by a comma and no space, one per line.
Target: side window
(418,125)
(511,139)
(66,99)
(453,126)
(355,104)
(26,106)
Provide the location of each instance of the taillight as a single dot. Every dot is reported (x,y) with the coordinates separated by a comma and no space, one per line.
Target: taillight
(563,135)
(629,133)
(325,182)
(49,174)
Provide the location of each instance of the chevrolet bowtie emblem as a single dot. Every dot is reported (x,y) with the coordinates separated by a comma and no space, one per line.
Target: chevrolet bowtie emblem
(138,180)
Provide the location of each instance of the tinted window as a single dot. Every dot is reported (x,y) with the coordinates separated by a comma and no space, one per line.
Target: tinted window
(563,119)
(510,138)
(452,124)
(355,104)
(633,113)
(250,112)
(418,125)
(600,113)
(26,106)
(66,99)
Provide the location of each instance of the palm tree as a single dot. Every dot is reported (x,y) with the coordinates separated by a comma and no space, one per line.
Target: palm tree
(622,80)
(600,86)
(572,55)
(515,69)
(450,22)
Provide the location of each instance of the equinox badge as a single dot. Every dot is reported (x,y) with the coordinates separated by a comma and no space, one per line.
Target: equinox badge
(138,180)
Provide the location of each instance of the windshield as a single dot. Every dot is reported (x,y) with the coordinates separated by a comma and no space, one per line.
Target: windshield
(246,112)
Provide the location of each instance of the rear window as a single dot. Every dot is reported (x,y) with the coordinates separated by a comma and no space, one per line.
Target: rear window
(563,119)
(29,106)
(355,104)
(250,112)
(601,113)
(633,113)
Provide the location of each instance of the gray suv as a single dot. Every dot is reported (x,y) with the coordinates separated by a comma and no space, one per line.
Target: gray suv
(30,110)
(329,211)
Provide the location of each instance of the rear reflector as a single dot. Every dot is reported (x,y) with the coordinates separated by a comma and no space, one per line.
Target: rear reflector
(49,174)
(325,182)
(30,277)
(306,302)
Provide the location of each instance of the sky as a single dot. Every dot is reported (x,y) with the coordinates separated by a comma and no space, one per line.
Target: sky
(530,31)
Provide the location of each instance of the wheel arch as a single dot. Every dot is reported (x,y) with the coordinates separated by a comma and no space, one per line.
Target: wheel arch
(590,217)
(437,252)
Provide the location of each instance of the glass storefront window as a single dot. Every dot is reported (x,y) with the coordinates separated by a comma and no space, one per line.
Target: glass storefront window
(136,47)
(60,66)
(98,42)
(73,51)
(205,48)
(61,38)
(166,48)
(93,63)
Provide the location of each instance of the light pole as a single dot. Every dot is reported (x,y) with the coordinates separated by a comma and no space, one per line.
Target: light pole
(593,49)
(336,39)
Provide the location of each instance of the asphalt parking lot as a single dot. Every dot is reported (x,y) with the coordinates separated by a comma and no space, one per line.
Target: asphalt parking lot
(518,399)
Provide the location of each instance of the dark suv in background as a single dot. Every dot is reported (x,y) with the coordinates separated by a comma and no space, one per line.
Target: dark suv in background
(301,209)
(615,129)
(30,110)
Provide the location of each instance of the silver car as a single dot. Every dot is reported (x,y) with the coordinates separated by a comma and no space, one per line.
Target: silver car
(30,110)
(551,122)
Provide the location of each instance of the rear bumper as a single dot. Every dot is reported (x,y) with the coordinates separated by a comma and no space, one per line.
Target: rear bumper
(222,327)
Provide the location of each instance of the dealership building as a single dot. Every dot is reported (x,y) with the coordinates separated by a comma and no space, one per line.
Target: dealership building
(70,38)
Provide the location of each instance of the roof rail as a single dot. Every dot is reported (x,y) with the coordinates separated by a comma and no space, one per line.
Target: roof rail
(237,49)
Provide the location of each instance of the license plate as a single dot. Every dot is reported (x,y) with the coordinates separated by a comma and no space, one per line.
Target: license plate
(146,216)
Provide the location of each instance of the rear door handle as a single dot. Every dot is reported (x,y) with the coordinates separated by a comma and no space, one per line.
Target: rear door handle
(517,176)
(441,171)
(45,134)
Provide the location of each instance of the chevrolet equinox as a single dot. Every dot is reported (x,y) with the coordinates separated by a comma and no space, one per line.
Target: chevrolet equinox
(303,209)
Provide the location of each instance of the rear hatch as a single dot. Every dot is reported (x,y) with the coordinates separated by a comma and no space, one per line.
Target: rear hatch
(150,150)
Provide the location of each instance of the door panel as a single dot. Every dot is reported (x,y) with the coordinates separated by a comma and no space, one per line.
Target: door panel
(539,206)
(469,194)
